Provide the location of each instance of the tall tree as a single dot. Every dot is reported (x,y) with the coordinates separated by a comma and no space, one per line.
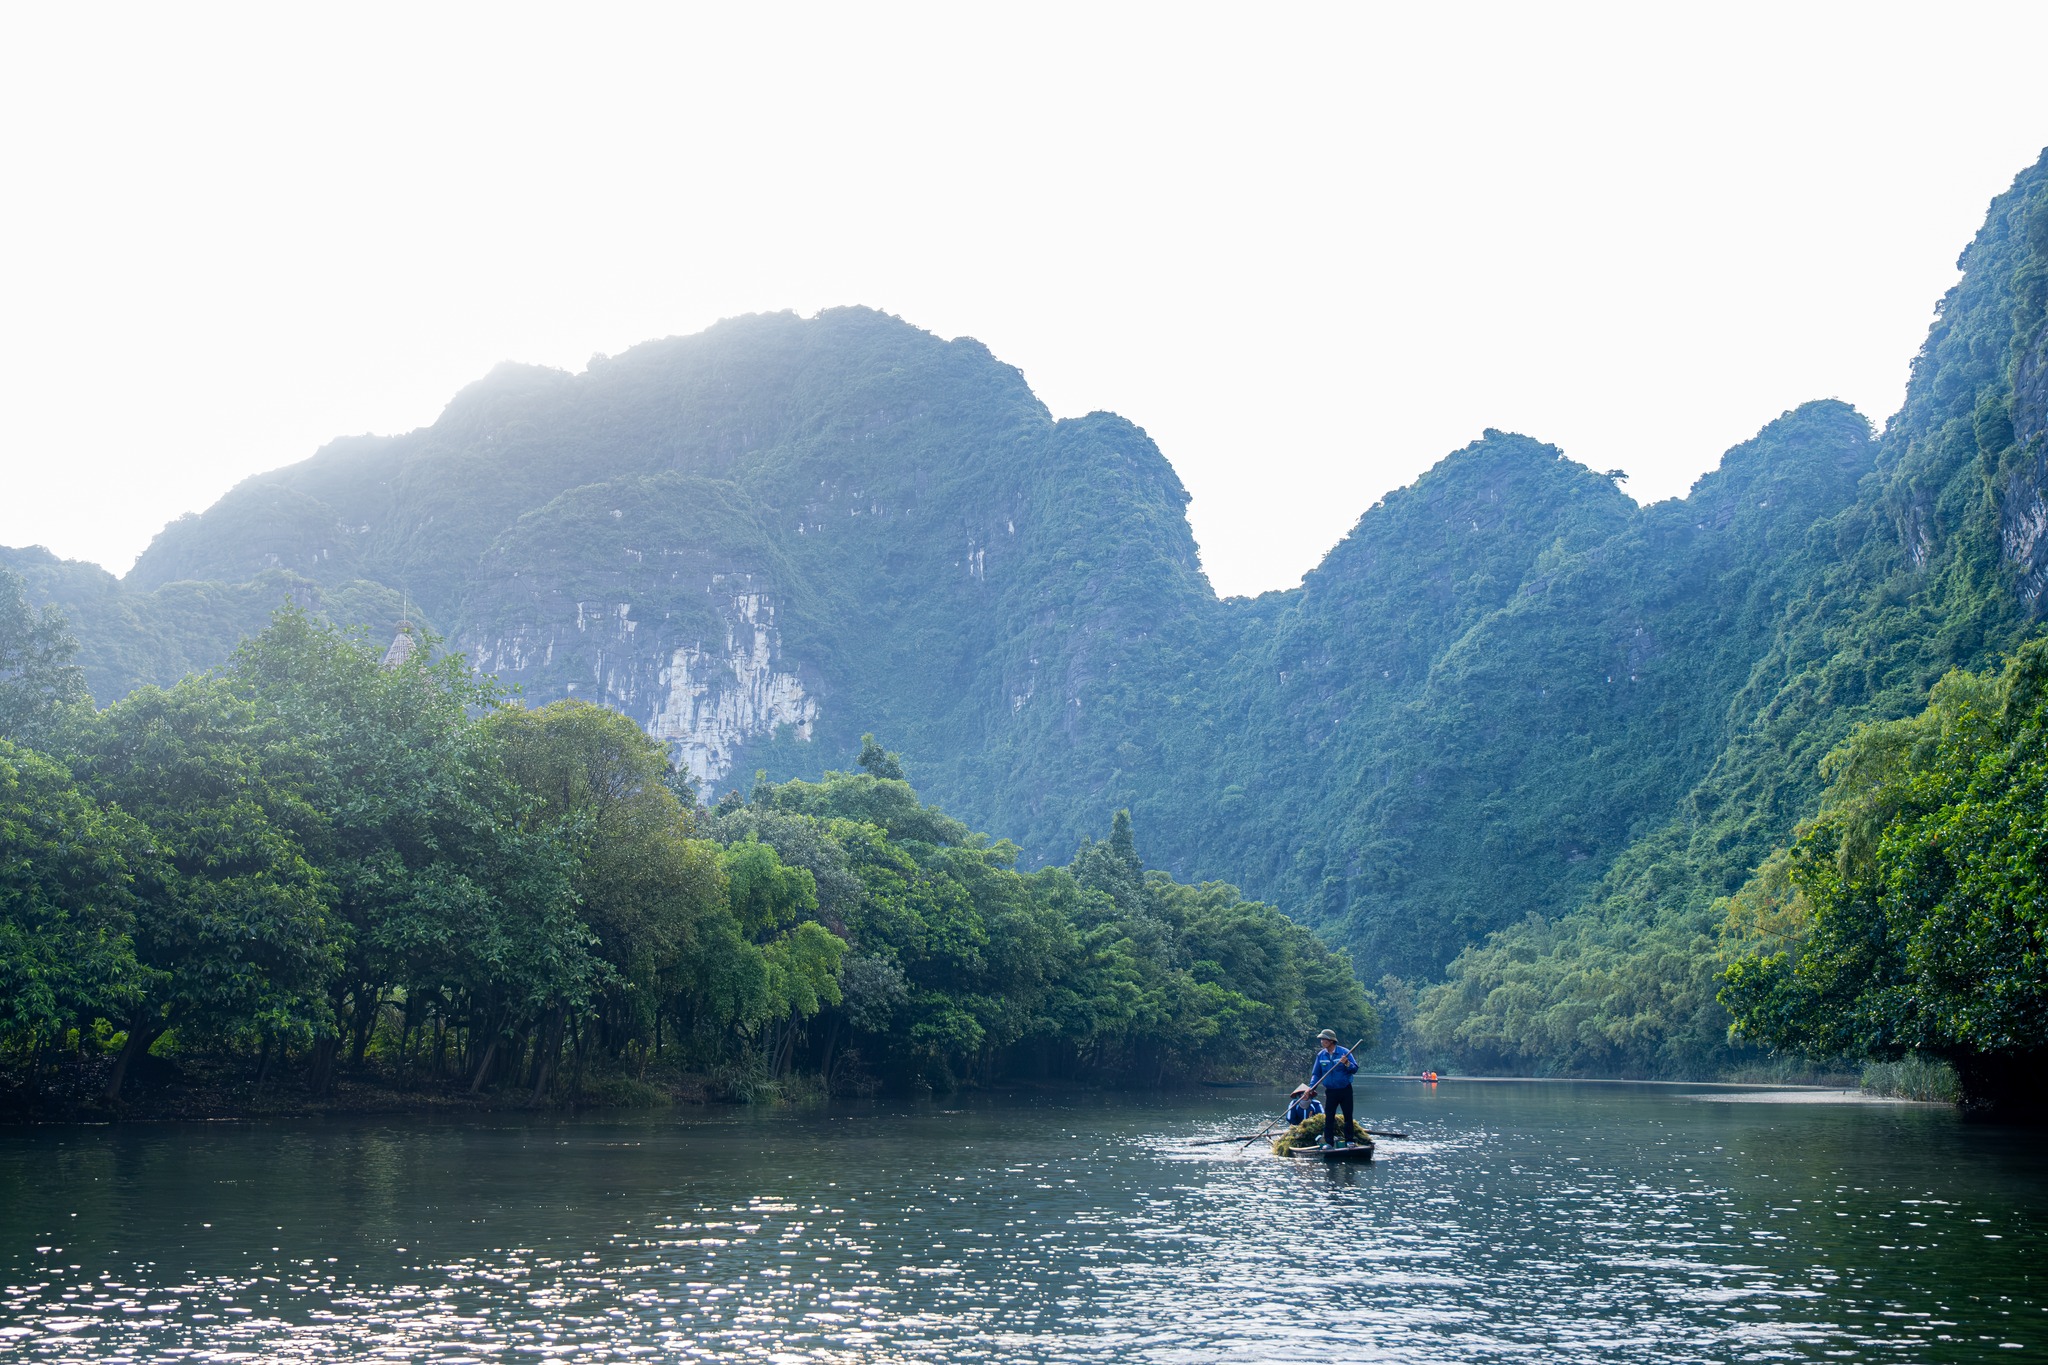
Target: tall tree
(37,675)
(1912,914)
(879,762)
(440,886)
(67,905)
(652,893)
(232,921)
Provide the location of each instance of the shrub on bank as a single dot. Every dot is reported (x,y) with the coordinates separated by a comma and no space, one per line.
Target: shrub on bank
(620,1092)
(1913,1077)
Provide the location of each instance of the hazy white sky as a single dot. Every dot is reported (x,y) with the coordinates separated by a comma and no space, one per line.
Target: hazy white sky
(1311,249)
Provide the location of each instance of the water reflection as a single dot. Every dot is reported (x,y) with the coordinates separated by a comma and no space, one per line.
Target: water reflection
(1523,1222)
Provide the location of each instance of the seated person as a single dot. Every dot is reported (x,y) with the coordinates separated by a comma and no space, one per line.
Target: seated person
(1301,1104)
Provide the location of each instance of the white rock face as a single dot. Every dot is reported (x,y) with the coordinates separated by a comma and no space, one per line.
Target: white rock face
(704,700)
(709,702)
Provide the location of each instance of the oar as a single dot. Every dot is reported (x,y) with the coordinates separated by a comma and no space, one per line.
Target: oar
(1263,1132)
(1211,1142)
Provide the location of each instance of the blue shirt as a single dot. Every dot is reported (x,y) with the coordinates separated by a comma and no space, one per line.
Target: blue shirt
(1333,1069)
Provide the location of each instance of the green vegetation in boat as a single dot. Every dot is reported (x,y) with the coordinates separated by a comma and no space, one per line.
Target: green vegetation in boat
(1305,1139)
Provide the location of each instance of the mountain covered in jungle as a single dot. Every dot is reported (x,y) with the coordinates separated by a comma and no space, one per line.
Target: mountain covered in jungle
(1512,743)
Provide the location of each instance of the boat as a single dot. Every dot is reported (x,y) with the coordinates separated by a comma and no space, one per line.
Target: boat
(1306,1139)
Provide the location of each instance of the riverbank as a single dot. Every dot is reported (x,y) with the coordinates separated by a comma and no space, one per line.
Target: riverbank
(165,1092)
(1823,1081)
(160,1091)
(1808,1095)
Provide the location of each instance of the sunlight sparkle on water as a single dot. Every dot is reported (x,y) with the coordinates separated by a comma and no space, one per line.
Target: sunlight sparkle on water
(1522,1222)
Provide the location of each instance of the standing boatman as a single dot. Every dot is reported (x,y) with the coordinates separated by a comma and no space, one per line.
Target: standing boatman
(1333,1070)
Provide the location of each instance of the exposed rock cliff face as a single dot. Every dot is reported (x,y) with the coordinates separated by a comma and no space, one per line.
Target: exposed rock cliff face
(655,595)
(716,700)
(2030,395)
(706,695)
(2023,504)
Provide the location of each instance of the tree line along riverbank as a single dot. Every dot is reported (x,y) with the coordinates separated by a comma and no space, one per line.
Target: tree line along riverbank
(325,875)
(329,876)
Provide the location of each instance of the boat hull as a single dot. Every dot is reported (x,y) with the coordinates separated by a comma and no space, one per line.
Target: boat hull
(1356,1151)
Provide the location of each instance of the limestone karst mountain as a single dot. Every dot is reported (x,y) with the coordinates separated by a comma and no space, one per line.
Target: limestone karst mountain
(759,542)
(1508,695)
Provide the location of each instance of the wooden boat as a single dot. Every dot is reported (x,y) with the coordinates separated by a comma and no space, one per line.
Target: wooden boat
(1351,1151)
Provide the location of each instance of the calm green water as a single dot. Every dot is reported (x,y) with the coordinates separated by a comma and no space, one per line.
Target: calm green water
(1526,1222)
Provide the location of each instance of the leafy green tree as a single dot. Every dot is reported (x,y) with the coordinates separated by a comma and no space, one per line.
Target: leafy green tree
(1912,913)
(37,675)
(800,841)
(67,906)
(802,979)
(653,894)
(439,885)
(231,921)
(767,895)
(772,902)
(889,804)
(879,762)
(1123,843)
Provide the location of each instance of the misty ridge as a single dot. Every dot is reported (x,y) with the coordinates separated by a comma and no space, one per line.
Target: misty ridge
(1536,757)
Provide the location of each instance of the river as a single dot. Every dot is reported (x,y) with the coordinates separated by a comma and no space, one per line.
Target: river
(1521,1221)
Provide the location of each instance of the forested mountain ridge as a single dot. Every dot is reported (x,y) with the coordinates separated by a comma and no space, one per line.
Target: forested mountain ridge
(1020,598)
(1594,691)
(1934,566)
(1510,700)
(856,526)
